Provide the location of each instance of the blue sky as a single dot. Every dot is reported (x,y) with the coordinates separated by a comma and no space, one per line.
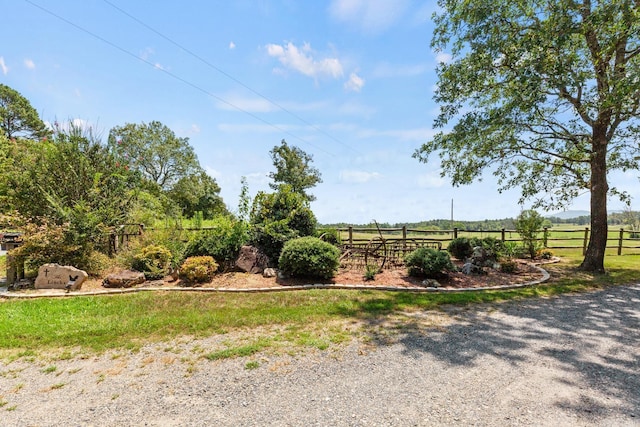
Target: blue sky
(348,81)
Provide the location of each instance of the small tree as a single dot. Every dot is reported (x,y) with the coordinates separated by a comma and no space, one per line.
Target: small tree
(293,168)
(278,217)
(529,225)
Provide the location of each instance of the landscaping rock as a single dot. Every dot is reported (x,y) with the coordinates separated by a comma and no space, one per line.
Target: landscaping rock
(252,260)
(482,257)
(55,276)
(269,272)
(430,283)
(124,279)
(470,268)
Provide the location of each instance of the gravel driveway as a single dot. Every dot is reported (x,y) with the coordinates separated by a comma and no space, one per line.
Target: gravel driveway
(567,361)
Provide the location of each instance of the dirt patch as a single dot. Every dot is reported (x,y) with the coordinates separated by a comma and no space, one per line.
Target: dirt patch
(388,278)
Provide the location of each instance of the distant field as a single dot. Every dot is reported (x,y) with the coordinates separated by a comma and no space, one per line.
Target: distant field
(569,237)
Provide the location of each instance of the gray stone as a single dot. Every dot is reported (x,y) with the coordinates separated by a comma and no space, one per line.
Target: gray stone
(470,268)
(482,257)
(269,272)
(123,279)
(55,276)
(252,260)
(430,283)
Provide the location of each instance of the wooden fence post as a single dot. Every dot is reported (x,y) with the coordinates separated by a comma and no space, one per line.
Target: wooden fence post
(404,237)
(502,235)
(455,232)
(620,241)
(545,237)
(350,236)
(586,240)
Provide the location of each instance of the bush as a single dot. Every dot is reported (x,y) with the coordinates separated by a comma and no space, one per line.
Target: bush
(546,254)
(508,266)
(370,272)
(271,237)
(529,225)
(428,262)
(153,261)
(460,248)
(278,217)
(491,244)
(330,235)
(222,242)
(198,269)
(513,250)
(309,256)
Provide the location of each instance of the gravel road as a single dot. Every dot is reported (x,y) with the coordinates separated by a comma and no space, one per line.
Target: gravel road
(572,360)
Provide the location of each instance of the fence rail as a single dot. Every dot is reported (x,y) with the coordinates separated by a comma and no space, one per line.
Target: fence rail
(618,240)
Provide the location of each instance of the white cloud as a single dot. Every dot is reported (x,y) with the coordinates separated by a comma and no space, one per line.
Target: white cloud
(29,64)
(213,173)
(358,177)
(158,66)
(147,53)
(355,83)
(443,57)
(431,180)
(232,45)
(3,66)
(386,70)
(302,60)
(370,16)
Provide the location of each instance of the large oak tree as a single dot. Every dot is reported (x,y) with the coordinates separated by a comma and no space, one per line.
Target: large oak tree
(545,94)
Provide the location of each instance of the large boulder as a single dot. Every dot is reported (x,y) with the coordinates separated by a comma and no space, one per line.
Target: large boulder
(55,276)
(123,279)
(252,260)
(482,257)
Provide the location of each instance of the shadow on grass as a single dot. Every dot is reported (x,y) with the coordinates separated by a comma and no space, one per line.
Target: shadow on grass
(593,338)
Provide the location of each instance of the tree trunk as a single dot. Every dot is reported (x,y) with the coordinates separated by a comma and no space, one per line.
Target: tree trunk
(594,258)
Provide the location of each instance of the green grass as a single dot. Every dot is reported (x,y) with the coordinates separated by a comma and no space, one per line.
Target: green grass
(305,319)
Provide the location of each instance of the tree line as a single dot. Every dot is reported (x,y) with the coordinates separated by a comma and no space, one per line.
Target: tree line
(68,189)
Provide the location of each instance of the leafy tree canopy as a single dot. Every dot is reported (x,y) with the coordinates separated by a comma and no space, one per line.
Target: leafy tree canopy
(546,94)
(293,167)
(154,150)
(198,192)
(17,117)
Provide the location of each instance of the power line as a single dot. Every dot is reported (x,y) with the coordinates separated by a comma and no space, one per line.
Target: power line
(229,76)
(175,76)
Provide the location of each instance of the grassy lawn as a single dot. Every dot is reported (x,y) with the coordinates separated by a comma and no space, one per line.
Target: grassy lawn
(314,318)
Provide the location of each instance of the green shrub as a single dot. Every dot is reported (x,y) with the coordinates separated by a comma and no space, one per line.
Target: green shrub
(529,225)
(153,261)
(222,242)
(330,235)
(198,269)
(508,266)
(546,254)
(491,244)
(428,262)
(513,250)
(460,248)
(271,237)
(370,272)
(311,257)
(278,217)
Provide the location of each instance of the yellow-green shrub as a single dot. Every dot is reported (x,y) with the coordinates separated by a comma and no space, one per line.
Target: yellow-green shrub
(198,269)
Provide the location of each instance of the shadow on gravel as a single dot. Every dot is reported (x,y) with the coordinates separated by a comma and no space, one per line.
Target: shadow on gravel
(593,337)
